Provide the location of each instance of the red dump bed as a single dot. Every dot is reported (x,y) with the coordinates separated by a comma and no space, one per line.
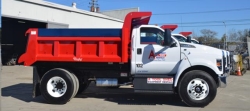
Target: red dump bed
(82,45)
(171,27)
(185,33)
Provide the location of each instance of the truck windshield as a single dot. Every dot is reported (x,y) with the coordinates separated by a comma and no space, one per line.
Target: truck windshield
(180,38)
(151,35)
(194,41)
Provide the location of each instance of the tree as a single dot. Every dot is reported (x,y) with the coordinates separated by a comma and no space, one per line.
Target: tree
(201,39)
(242,37)
(238,38)
(208,36)
(223,38)
(232,36)
(242,34)
(194,35)
(208,33)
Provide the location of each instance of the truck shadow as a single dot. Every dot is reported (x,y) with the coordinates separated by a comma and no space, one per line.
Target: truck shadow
(21,91)
(121,96)
(125,98)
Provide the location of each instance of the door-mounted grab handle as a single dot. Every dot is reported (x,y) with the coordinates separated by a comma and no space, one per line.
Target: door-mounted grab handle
(139,51)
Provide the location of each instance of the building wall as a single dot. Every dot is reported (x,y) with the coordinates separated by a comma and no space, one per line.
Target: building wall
(120,13)
(50,12)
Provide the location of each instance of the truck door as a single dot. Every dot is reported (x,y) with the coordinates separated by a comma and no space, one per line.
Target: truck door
(153,58)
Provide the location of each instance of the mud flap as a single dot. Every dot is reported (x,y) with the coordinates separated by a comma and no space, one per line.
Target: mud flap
(36,83)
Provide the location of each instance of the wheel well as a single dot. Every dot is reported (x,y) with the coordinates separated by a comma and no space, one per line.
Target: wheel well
(203,68)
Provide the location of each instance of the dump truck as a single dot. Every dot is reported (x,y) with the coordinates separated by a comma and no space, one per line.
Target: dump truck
(182,36)
(146,56)
(187,34)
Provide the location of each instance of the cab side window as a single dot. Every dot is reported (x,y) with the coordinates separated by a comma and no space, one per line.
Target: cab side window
(151,35)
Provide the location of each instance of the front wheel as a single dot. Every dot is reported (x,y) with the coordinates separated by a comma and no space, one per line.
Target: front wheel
(197,88)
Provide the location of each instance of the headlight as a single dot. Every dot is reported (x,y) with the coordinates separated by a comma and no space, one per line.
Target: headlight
(219,64)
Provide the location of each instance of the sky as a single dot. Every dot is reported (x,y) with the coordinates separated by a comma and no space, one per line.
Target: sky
(183,6)
(164,7)
(186,21)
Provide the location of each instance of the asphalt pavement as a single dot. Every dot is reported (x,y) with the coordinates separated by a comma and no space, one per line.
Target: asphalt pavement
(17,96)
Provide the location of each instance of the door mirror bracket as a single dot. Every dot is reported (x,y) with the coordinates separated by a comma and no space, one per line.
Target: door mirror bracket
(168,40)
(173,44)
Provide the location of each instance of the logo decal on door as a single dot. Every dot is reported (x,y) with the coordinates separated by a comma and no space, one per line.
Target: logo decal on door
(157,56)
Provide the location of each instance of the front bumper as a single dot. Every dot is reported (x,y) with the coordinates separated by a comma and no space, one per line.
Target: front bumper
(223,78)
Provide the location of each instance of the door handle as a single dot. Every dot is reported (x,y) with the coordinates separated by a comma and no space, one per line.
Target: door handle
(139,51)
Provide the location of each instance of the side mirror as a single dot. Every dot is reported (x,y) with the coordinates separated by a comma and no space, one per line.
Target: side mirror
(200,42)
(188,39)
(167,38)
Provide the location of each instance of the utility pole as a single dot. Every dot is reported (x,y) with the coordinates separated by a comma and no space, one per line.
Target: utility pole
(94,7)
(225,39)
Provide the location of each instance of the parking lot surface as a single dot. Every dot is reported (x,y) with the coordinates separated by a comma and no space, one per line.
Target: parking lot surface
(16,93)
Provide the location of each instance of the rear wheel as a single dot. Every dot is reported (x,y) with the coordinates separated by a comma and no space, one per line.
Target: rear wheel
(57,86)
(197,88)
(76,84)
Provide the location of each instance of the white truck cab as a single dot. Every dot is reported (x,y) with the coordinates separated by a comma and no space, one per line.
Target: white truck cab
(195,41)
(156,54)
(182,38)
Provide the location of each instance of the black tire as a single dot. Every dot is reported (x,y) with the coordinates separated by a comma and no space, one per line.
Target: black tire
(74,81)
(67,77)
(188,77)
(77,84)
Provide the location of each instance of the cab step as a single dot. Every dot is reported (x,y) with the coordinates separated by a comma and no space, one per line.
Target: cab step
(150,91)
(157,83)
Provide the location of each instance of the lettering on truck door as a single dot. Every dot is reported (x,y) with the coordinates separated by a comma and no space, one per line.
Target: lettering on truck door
(151,56)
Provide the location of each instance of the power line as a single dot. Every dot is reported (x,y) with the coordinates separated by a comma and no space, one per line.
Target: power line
(208,22)
(214,11)
(143,1)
